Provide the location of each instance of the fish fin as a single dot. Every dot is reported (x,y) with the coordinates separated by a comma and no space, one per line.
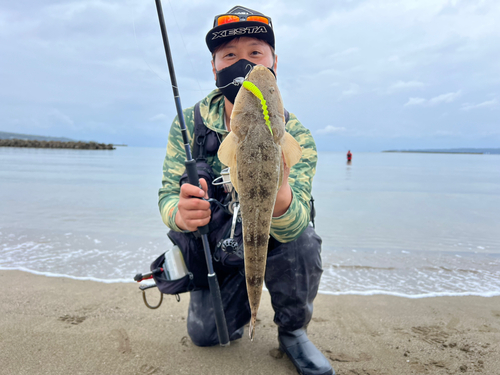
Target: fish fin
(282,172)
(291,150)
(233,175)
(251,328)
(227,150)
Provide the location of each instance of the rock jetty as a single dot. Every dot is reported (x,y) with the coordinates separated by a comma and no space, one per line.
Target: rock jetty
(55,144)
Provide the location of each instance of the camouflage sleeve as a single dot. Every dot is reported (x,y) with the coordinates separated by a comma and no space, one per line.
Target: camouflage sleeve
(292,223)
(173,168)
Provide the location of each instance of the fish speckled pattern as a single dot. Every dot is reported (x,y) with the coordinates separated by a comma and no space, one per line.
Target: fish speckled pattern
(255,157)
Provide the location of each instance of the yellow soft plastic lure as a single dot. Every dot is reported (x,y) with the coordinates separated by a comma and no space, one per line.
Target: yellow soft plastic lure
(255,90)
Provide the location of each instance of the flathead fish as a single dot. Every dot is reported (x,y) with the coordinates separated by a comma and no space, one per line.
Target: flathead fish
(254,151)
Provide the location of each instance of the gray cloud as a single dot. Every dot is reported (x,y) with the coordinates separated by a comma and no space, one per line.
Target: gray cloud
(353,89)
(415,101)
(329,129)
(158,117)
(60,117)
(95,69)
(443,98)
(401,85)
(493,103)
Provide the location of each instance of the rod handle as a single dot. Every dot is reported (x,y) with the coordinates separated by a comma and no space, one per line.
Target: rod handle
(192,172)
(194,179)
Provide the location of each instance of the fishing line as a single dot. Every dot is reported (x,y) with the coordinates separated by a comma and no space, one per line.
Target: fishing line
(185,47)
(143,59)
(143,56)
(238,81)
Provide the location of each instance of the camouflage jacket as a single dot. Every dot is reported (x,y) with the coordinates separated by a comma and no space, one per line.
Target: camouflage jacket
(284,228)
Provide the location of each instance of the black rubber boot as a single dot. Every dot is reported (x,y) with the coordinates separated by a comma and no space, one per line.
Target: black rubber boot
(304,355)
(293,273)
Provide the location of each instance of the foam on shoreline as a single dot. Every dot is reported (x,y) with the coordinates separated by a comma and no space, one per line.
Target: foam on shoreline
(325,292)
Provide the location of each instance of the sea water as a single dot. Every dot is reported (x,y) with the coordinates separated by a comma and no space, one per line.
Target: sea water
(414,225)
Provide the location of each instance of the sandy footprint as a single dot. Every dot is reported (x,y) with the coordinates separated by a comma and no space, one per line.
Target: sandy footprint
(364,372)
(185,341)
(453,323)
(149,370)
(72,319)
(319,320)
(342,357)
(431,334)
(276,353)
(123,340)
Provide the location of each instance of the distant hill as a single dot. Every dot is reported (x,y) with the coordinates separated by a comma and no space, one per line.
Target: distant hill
(29,137)
(453,151)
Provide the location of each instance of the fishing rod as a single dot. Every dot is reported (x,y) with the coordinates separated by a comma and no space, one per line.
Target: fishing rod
(193,179)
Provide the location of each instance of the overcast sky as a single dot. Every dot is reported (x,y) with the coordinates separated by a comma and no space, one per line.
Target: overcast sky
(365,75)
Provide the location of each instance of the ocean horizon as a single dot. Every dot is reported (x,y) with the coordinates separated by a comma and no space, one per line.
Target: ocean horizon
(403,224)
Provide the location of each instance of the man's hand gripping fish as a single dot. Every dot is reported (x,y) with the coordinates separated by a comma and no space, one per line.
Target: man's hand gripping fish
(253,150)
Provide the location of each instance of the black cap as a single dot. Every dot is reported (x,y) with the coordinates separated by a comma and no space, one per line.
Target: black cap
(253,29)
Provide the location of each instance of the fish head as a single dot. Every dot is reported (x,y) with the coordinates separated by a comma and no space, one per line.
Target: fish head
(249,105)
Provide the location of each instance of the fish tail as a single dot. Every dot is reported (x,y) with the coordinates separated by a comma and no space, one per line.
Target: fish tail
(251,328)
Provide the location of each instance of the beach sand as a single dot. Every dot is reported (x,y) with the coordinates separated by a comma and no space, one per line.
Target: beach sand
(54,325)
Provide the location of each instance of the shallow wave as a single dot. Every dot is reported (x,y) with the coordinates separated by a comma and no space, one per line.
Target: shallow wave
(347,271)
(321,291)
(413,296)
(411,275)
(80,278)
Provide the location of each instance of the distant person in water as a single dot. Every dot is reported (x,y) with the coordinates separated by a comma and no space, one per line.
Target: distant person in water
(349,156)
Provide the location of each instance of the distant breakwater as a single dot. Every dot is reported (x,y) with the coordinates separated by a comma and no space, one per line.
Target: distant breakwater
(55,144)
(437,152)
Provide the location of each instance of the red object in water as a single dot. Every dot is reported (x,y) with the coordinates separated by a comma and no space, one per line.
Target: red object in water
(349,155)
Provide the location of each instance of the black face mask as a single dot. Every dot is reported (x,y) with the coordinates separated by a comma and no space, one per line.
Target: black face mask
(230,79)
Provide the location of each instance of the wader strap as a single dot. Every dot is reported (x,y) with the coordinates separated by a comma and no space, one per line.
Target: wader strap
(200,135)
(313,211)
(206,141)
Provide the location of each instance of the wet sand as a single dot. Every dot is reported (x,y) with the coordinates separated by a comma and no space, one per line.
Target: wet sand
(63,326)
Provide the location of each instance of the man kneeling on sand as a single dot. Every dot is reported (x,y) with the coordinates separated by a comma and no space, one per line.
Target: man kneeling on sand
(239,40)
